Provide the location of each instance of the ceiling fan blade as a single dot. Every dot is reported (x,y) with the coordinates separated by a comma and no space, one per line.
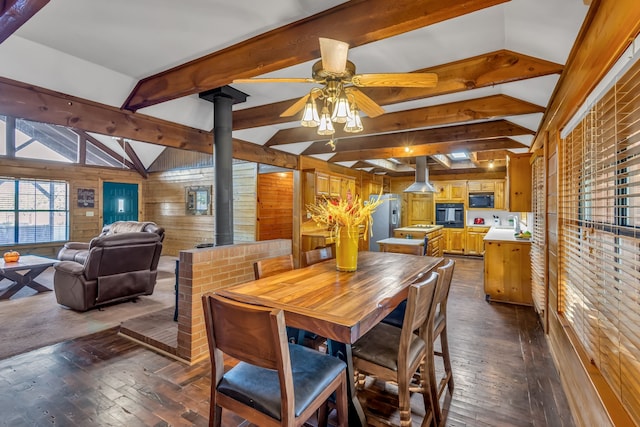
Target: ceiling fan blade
(365,103)
(396,80)
(295,107)
(275,80)
(334,55)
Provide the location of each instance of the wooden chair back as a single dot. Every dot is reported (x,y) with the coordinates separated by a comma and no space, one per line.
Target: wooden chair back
(271,266)
(315,256)
(252,334)
(442,289)
(256,335)
(418,315)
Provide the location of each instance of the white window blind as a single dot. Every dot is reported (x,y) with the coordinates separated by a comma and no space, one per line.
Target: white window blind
(538,258)
(600,236)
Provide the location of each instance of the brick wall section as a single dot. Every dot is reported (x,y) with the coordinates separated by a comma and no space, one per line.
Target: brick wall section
(205,270)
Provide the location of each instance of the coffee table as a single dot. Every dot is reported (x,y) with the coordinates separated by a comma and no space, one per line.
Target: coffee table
(32,266)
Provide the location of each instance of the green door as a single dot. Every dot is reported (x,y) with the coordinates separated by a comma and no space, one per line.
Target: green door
(120,202)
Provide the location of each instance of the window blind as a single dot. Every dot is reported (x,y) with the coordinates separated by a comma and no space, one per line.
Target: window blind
(600,236)
(538,259)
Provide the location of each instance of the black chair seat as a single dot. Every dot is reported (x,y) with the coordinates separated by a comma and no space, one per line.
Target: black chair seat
(380,346)
(259,388)
(396,317)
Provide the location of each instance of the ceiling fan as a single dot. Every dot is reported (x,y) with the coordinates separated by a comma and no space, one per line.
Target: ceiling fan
(339,92)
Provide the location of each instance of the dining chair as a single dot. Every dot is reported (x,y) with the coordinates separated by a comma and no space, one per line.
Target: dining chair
(440,331)
(394,354)
(271,266)
(315,256)
(275,383)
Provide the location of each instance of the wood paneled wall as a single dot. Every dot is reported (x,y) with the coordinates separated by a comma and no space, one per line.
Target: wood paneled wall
(275,206)
(85,223)
(165,205)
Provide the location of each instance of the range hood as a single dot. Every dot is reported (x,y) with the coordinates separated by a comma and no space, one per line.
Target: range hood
(422,184)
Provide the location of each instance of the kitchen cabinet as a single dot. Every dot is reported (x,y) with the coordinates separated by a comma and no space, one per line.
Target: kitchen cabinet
(347,185)
(421,209)
(435,241)
(335,185)
(454,239)
(507,272)
(498,195)
(519,182)
(451,191)
(322,184)
(474,242)
(484,186)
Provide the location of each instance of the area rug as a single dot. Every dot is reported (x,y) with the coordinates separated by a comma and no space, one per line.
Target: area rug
(34,321)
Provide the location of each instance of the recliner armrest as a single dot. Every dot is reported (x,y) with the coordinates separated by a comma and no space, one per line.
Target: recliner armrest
(76,245)
(69,267)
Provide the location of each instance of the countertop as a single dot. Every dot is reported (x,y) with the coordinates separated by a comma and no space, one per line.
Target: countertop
(410,229)
(503,234)
(398,241)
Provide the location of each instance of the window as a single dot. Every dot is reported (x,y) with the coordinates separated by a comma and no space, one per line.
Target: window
(600,236)
(33,211)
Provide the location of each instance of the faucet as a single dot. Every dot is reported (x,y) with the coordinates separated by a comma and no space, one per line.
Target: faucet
(516,223)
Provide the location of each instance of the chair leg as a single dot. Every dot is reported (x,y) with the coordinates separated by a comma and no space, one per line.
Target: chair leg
(341,403)
(323,415)
(444,342)
(433,388)
(427,397)
(404,400)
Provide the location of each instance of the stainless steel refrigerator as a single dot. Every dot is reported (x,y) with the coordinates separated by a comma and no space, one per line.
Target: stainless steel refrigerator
(386,217)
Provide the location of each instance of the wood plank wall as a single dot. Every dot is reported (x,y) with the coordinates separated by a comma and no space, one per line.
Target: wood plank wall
(275,206)
(165,205)
(85,223)
(245,194)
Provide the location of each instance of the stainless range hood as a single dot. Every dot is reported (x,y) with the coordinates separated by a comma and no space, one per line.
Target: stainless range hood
(422,184)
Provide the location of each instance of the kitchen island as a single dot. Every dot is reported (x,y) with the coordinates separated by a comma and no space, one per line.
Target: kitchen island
(402,246)
(435,243)
(507,267)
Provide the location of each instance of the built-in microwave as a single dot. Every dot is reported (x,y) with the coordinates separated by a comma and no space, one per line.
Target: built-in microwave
(481,200)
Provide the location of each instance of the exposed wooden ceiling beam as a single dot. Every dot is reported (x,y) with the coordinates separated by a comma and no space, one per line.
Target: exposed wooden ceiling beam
(14,13)
(491,155)
(406,140)
(297,42)
(99,145)
(486,70)
(442,160)
(42,105)
(489,107)
(249,152)
(427,149)
(137,164)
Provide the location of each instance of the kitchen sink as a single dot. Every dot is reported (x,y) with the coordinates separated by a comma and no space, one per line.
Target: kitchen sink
(503,227)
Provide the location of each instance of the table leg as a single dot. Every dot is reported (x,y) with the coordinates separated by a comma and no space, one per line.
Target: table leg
(356,413)
(22,280)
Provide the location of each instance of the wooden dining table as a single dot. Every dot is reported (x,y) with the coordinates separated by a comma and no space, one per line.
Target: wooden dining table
(341,306)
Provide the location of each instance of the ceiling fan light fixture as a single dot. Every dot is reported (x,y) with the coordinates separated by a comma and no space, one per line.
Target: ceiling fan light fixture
(354,124)
(310,115)
(341,110)
(325,127)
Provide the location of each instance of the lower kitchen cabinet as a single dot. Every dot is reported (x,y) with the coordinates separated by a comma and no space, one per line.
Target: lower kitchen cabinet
(474,244)
(507,272)
(454,240)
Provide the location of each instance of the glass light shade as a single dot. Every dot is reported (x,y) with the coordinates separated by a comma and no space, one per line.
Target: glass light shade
(341,111)
(354,124)
(310,115)
(325,127)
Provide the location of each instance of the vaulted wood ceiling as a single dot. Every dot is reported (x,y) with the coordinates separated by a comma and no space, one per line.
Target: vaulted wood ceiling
(461,117)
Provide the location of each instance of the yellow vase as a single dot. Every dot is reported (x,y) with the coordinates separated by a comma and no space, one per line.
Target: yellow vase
(347,249)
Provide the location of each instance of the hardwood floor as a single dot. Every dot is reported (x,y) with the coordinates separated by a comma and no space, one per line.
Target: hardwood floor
(503,372)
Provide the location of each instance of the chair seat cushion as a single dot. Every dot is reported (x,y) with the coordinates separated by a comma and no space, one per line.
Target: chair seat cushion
(380,346)
(260,388)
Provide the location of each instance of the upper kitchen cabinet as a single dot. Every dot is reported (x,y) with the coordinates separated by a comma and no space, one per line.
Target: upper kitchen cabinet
(420,209)
(519,182)
(451,191)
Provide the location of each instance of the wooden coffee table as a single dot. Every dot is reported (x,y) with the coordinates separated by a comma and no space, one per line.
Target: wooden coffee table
(32,266)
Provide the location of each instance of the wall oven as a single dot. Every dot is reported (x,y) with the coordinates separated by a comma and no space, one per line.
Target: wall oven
(450,215)
(481,200)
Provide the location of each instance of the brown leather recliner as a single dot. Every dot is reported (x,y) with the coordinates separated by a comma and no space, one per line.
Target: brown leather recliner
(78,251)
(117,267)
